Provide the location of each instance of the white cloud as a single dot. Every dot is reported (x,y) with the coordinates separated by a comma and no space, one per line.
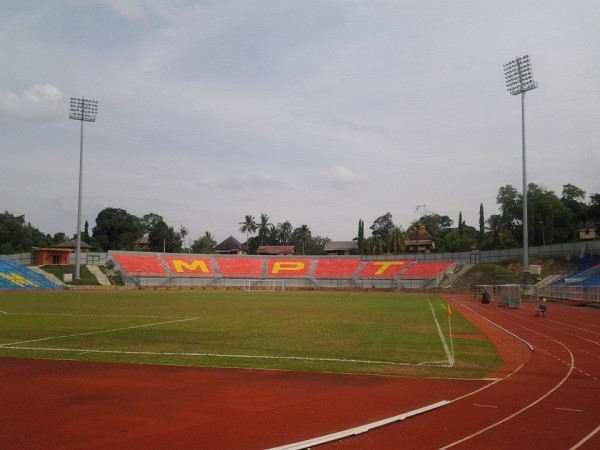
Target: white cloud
(38,102)
(344,175)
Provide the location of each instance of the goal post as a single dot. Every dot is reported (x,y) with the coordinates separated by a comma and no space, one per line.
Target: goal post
(264,285)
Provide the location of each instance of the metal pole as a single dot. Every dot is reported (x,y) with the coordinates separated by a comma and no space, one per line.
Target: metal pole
(78,251)
(525,220)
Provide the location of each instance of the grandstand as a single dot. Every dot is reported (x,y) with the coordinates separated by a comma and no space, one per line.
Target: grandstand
(158,269)
(15,276)
(582,287)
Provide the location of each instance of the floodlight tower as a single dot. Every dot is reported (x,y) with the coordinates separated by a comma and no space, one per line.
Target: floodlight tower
(519,79)
(84,110)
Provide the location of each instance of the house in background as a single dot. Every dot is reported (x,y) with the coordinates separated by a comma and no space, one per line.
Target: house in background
(58,254)
(419,242)
(230,246)
(341,248)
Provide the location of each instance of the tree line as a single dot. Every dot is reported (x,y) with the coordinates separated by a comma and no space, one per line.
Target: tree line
(552,219)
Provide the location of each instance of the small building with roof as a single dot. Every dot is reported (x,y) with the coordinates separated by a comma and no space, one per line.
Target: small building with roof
(230,246)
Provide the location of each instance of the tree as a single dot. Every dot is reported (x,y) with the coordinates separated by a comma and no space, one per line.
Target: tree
(284,231)
(383,226)
(85,237)
(164,238)
(206,244)
(149,221)
(361,237)
(116,229)
(397,241)
(481,234)
(302,235)
(263,228)
(18,236)
(248,226)
(461,225)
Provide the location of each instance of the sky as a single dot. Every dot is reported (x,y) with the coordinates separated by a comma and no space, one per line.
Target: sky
(319,113)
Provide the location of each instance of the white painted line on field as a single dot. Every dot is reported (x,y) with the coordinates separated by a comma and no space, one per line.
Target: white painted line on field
(485,406)
(98,332)
(124,316)
(442,338)
(215,355)
(569,409)
(358,430)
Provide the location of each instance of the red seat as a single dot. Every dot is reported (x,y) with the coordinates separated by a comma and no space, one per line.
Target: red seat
(336,268)
(141,264)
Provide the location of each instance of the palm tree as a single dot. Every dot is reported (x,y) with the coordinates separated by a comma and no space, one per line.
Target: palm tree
(263,228)
(273,234)
(397,240)
(285,231)
(378,244)
(248,226)
(302,234)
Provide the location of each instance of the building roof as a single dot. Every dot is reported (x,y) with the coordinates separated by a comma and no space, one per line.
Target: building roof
(72,244)
(228,245)
(275,250)
(341,245)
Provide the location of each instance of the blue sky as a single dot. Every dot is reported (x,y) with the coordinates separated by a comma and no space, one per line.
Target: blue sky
(319,113)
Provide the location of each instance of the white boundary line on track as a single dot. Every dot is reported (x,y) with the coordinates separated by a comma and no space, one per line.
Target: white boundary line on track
(506,419)
(442,338)
(97,332)
(585,439)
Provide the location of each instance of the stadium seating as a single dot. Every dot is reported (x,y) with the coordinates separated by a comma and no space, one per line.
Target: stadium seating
(336,268)
(141,265)
(189,266)
(288,268)
(586,278)
(383,269)
(15,276)
(308,271)
(240,267)
(426,269)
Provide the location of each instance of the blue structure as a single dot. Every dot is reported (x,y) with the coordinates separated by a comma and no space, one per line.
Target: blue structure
(15,276)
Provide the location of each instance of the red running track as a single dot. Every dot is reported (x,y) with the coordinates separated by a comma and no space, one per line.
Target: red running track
(547,398)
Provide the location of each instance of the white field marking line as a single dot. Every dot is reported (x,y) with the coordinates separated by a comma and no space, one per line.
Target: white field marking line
(98,332)
(442,338)
(91,315)
(485,406)
(506,419)
(309,443)
(585,439)
(569,409)
(213,355)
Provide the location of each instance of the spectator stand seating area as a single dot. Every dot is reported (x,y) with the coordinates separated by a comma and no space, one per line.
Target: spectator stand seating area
(15,276)
(583,287)
(162,269)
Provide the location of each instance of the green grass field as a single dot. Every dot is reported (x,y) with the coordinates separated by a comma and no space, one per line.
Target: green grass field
(374,333)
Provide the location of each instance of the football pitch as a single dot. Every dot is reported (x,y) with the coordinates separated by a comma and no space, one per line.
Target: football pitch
(349,332)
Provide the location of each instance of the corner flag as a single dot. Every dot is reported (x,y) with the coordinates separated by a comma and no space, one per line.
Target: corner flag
(449,310)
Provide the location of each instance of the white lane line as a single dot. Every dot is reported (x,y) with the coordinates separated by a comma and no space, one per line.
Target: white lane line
(98,332)
(485,406)
(585,439)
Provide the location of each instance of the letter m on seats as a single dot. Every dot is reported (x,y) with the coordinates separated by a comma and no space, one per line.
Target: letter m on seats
(193,266)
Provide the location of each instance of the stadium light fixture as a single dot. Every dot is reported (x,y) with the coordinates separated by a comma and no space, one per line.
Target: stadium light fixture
(519,79)
(84,110)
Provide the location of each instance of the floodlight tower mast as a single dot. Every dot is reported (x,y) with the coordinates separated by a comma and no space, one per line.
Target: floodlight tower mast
(84,110)
(519,79)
